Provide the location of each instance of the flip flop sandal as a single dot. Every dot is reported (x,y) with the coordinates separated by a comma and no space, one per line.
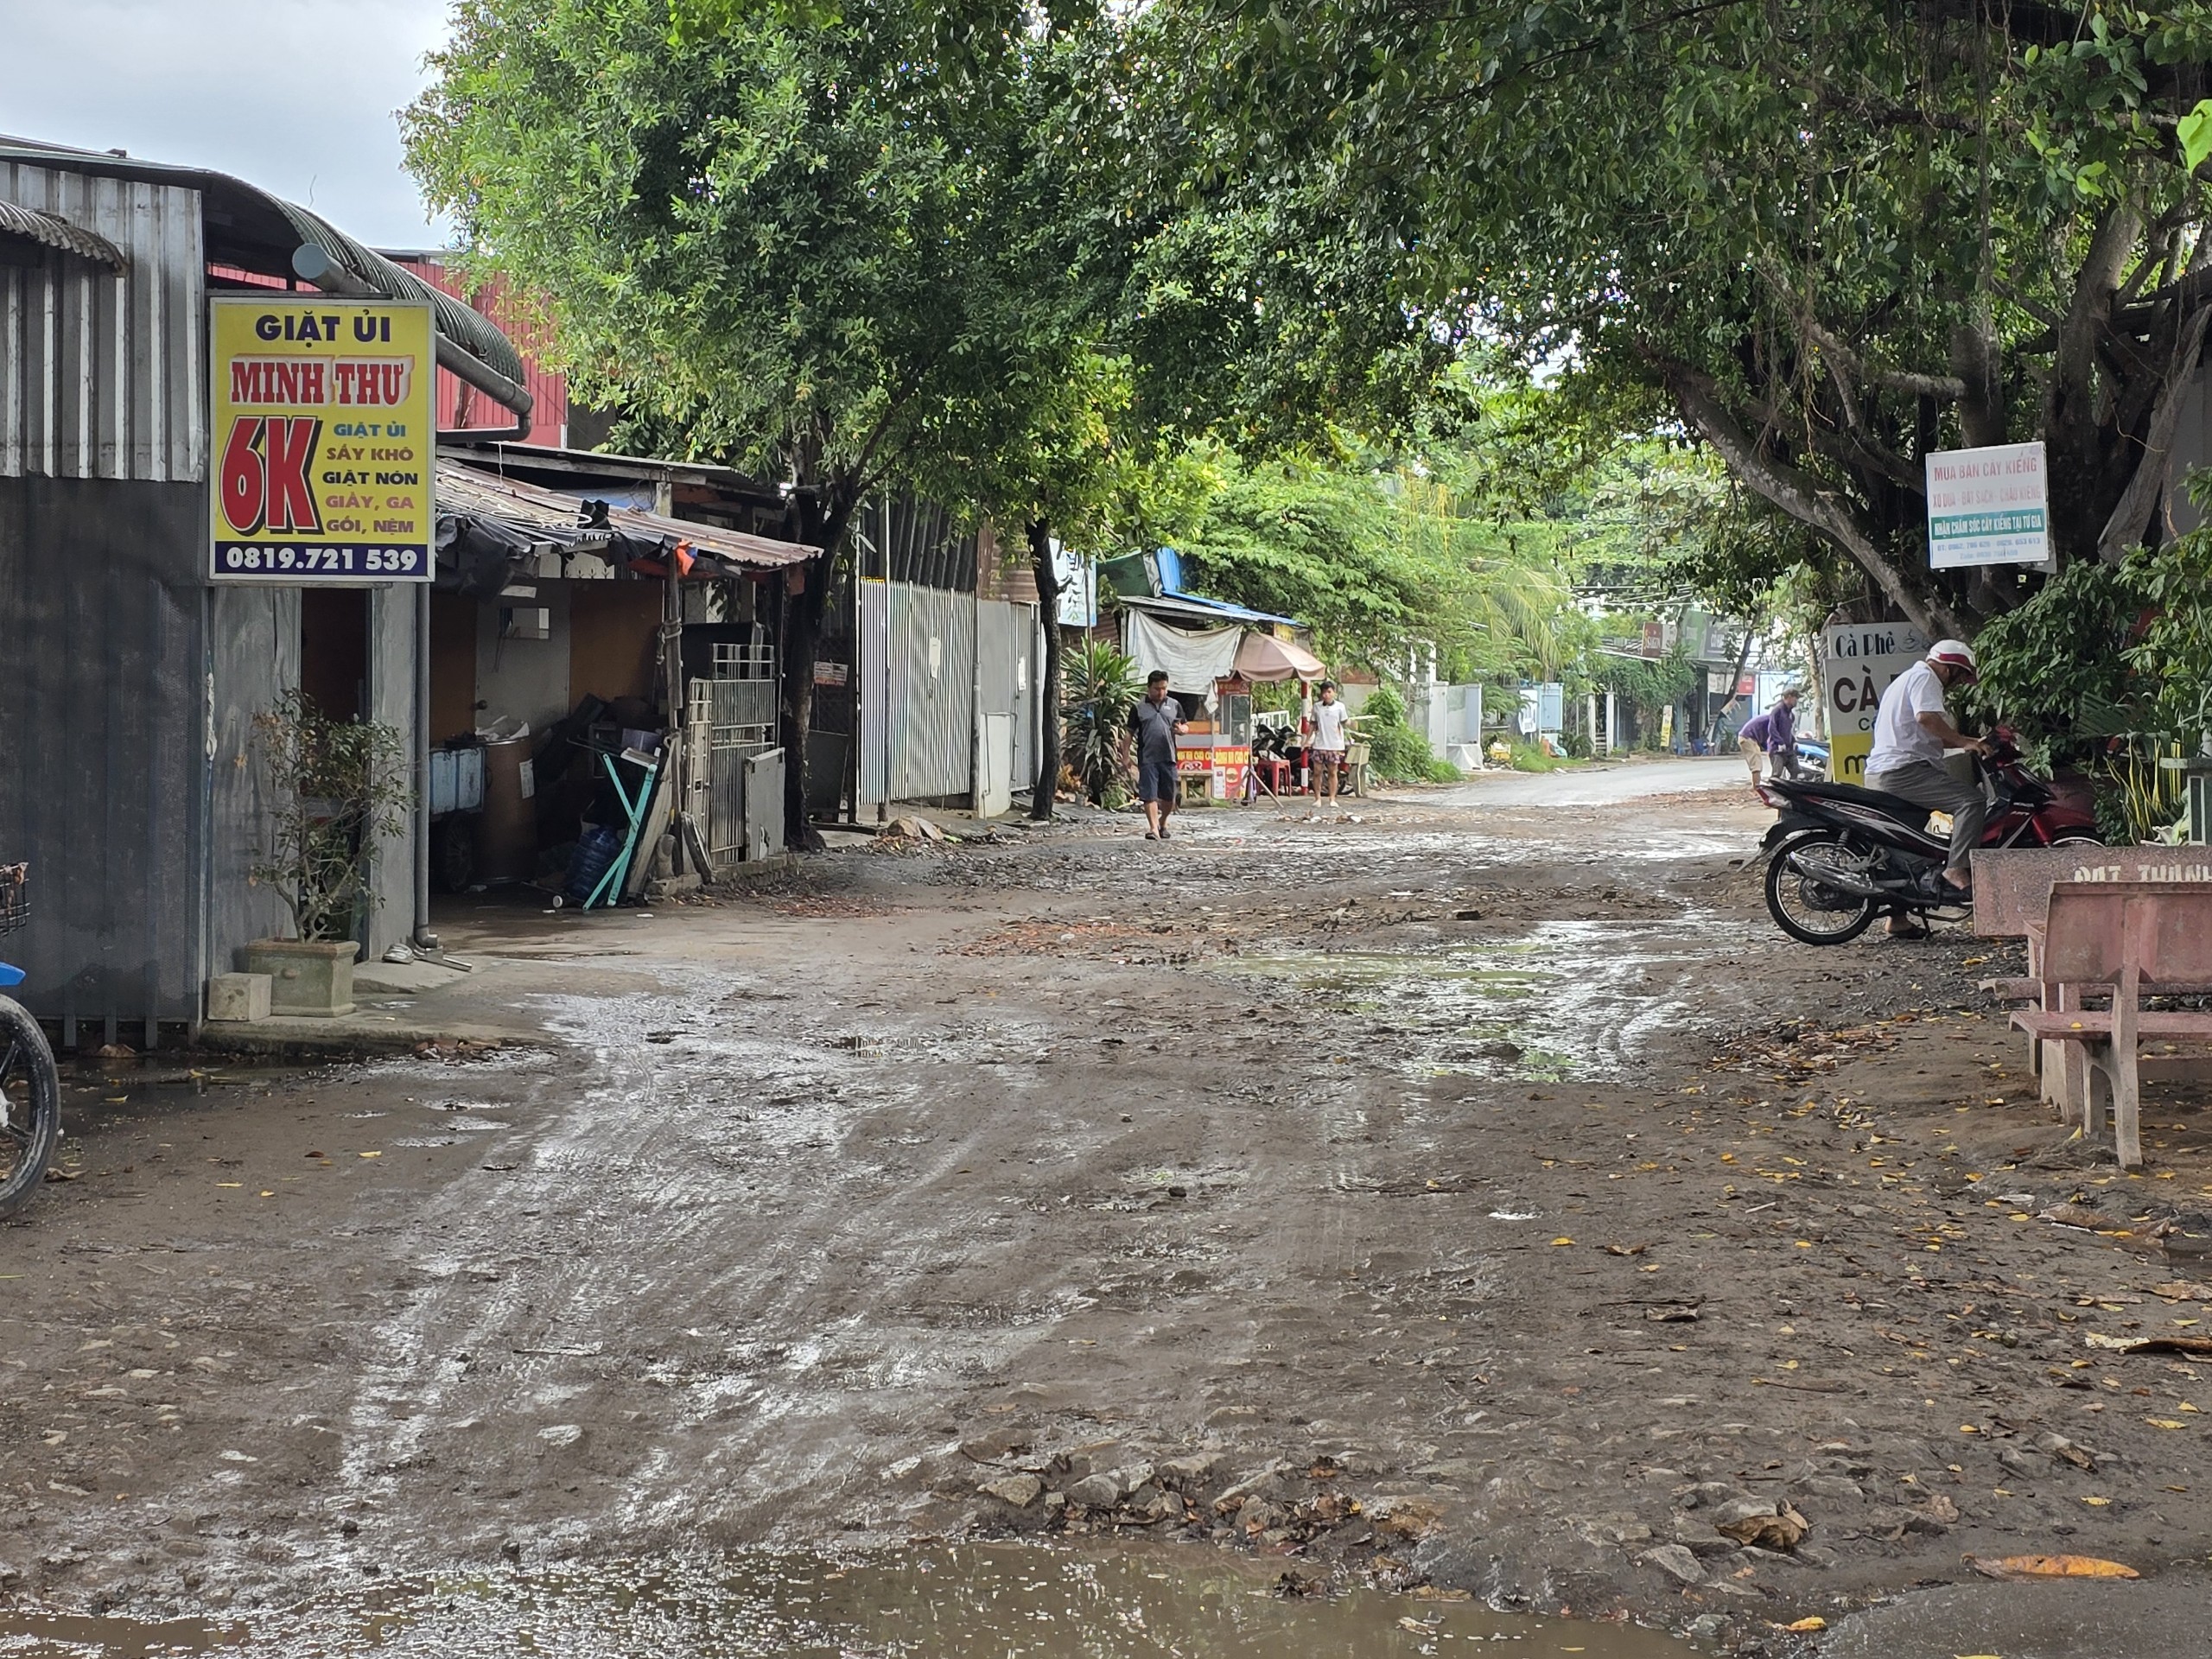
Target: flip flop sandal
(1911,931)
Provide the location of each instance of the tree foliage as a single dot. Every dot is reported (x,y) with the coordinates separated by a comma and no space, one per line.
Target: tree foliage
(1835,237)
(827,244)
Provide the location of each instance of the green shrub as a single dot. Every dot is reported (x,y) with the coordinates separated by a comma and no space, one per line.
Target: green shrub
(1527,757)
(1396,752)
(2107,668)
(1102,688)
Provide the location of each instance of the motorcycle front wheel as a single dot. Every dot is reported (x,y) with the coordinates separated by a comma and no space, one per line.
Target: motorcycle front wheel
(1807,908)
(30,1106)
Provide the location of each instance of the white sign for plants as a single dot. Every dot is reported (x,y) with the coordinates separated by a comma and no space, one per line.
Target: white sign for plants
(1988,506)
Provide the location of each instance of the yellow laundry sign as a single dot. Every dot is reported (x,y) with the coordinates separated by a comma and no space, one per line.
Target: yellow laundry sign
(324,428)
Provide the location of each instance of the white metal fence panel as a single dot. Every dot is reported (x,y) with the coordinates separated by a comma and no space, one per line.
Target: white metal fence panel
(930,700)
(873,651)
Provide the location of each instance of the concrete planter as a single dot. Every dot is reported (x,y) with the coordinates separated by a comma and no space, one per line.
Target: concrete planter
(308,977)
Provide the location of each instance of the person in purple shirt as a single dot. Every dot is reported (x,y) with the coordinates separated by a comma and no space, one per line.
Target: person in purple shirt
(1772,734)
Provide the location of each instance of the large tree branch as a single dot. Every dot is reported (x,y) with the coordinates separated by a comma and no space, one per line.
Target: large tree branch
(1947,387)
(2131,516)
(2192,285)
(1980,371)
(1808,499)
(2090,311)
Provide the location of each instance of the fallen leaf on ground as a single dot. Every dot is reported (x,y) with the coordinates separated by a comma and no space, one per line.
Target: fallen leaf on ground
(2049,1567)
(1815,1623)
(2149,1344)
(2180,1290)
(1780,1530)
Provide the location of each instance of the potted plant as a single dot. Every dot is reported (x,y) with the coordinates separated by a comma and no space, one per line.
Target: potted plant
(339,785)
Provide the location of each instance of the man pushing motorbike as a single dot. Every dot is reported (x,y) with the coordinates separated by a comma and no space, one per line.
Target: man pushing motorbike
(1912,728)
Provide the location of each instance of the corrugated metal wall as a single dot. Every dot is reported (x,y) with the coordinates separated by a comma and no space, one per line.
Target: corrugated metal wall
(872,652)
(253,657)
(101,372)
(461,405)
(929,704)
(103,531)
(102,763)
(999,628)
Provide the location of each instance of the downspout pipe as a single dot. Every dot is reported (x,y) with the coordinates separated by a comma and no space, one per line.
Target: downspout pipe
(425,937)
(314,265)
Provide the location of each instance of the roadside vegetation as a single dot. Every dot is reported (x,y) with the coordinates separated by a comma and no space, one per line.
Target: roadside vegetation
(1243,279)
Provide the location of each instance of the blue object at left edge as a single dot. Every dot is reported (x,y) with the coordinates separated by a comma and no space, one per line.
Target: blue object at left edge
(9,976)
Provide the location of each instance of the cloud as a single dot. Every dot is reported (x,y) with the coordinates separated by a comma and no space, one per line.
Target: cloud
(296,96)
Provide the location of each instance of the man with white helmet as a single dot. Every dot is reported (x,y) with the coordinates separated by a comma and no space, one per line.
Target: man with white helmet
(1912,728)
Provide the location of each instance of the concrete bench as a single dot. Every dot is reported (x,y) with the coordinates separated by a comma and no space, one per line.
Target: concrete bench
(2117,934)
(2011,896)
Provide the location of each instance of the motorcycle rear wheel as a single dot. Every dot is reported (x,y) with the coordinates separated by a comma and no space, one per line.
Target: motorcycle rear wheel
(30,1106)
(1802,906)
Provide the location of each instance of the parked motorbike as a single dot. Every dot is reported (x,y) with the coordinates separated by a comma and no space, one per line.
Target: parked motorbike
(30,1087)
(1812,759)
(1839,855)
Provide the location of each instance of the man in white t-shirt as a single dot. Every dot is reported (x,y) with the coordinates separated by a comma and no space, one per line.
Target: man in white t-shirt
(1912,728)
(1332,738)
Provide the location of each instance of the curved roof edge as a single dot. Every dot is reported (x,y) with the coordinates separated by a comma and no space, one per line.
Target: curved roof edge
(55,232)
(248,228)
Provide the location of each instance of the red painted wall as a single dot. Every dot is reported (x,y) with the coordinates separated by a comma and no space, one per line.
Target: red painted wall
(461,406)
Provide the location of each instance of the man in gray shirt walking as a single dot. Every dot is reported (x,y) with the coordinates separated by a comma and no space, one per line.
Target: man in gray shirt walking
(1154,722)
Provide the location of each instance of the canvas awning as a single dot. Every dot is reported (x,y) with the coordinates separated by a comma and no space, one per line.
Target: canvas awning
(1263,656)
(1192,659)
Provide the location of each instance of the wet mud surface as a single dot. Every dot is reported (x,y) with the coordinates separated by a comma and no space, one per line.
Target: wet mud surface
(1436,1203)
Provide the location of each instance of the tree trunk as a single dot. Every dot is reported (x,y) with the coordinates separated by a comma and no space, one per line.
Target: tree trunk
(804,612)
(1047,786)
(2131,518)
(1750,632)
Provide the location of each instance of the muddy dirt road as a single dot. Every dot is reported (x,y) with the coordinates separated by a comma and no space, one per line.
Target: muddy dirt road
(1488,1199)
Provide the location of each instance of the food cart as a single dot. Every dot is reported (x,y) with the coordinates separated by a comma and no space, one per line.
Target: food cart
(1213,757)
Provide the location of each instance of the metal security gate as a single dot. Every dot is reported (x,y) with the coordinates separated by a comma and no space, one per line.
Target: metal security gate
(728,721)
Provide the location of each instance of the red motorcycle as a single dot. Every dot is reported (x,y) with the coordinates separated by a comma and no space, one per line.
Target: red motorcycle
(1839,855)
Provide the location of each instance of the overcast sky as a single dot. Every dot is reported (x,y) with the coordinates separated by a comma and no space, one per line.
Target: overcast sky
(296,96)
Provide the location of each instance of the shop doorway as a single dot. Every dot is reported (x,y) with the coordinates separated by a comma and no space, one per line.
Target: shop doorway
(334,651)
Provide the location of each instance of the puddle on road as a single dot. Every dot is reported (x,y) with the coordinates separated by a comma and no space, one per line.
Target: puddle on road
(972,1602)
(1575,999)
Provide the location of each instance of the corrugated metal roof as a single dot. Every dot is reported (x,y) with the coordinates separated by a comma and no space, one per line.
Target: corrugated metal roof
(1189,608)
(249,228)
(60,233)
(560,517)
